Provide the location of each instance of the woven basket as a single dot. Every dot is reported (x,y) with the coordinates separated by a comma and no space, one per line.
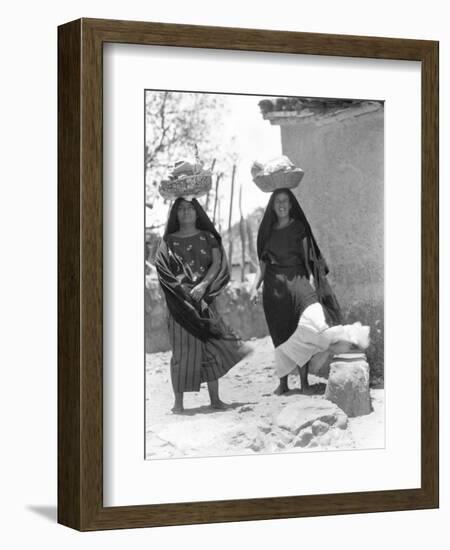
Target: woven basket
(186,186)
(279,180)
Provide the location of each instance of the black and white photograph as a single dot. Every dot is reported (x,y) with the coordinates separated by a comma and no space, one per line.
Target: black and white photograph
(264,274)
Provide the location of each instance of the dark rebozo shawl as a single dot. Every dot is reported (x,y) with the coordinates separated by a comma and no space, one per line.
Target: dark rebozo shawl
(186,311)
(313,256)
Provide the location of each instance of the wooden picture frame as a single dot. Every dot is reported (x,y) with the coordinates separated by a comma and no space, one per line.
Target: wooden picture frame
(80,272)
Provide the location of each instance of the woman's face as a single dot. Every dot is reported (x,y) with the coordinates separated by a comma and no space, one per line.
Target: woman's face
(186,213)
(282,205)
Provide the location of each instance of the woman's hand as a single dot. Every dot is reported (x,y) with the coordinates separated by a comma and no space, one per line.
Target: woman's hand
(198,291)
(254,295)
(257,282)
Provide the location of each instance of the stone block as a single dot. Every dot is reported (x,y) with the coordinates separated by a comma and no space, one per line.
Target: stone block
(348,384)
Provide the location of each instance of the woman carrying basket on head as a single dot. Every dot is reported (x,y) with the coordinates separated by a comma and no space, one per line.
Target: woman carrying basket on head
(298,302)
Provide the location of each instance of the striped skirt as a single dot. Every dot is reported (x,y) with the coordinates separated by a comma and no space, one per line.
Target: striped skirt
(194,362)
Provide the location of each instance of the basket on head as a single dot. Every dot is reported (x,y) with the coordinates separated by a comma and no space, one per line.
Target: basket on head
(279,173)
(186,186)
(186,180)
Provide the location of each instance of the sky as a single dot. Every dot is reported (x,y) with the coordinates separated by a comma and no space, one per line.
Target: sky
(256,139)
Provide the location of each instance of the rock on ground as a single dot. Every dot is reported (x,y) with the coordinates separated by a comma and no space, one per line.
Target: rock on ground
(307,411)
(348,386)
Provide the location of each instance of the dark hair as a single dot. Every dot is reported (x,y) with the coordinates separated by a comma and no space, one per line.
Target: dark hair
(202,222)
(186,313)
(270,218)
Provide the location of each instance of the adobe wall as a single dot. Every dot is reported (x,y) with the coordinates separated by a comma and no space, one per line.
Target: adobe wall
(342,194)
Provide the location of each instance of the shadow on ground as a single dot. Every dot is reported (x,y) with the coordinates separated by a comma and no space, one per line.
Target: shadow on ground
(314,389)
(206,409)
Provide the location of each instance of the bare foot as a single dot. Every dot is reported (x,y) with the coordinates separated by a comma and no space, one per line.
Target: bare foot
(219,405)
(177,409)
(281,390)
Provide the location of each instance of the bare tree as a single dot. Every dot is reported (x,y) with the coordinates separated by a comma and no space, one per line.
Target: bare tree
(175,123)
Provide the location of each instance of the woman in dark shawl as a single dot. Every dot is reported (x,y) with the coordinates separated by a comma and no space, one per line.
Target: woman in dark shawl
(192,270)
(298,302)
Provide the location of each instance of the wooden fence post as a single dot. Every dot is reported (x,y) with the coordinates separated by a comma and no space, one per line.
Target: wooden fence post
(230,244)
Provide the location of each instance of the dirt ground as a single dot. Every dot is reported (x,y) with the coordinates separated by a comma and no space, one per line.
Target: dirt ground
(251,424)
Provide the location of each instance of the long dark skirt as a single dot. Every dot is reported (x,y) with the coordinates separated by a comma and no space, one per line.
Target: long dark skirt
(195,362)
(286,294)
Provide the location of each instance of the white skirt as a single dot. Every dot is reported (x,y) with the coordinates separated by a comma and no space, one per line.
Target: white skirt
(313,337)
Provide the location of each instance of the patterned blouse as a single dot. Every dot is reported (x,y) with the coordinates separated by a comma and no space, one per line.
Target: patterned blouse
(195,253)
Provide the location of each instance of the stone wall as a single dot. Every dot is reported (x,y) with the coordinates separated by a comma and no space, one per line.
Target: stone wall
(156,334)
(233,305)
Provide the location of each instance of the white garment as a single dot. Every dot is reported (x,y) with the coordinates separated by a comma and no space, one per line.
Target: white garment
(313,336)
